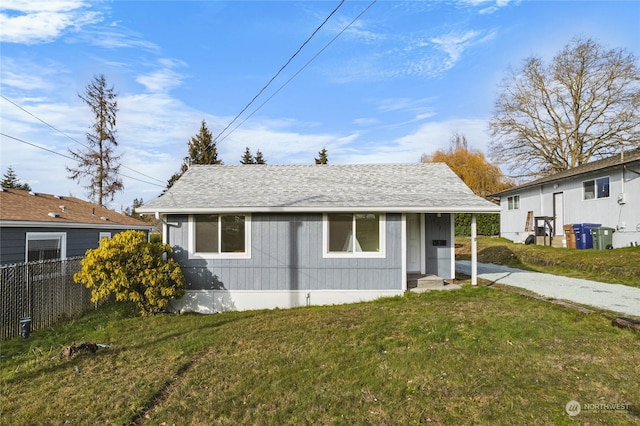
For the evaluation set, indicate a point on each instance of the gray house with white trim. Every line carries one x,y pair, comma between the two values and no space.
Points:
604,192
263,236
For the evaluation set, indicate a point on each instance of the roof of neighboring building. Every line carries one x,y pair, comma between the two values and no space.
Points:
22,208
420,187
594,166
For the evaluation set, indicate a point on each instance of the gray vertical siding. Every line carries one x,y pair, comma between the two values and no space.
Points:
438,257
286,254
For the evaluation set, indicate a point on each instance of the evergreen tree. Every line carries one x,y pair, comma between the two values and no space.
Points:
98,161
247,157
202,150
260,158
11,181
322,157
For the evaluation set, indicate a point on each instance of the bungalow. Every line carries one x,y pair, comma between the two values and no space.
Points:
604,192
36,226
262,236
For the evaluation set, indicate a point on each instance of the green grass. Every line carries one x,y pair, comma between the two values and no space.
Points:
471,356
618,266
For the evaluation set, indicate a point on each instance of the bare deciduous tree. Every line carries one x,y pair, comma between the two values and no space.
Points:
584,104
98,161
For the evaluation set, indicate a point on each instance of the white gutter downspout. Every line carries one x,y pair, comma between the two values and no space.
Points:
474,251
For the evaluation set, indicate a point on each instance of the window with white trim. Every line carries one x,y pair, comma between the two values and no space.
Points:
354,234
595,188
46,246
220,235
513,203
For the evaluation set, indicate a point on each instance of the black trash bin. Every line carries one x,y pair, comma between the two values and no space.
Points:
25,327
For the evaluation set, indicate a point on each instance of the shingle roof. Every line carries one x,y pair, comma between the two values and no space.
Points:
428,187
50,210
594,166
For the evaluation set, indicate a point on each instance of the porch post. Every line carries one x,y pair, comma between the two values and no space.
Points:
474,251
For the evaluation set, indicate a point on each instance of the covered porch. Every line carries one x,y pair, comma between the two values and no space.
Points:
429,250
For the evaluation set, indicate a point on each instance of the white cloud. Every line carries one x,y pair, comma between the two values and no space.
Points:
454,44
163,79
42,21
117,38
426,139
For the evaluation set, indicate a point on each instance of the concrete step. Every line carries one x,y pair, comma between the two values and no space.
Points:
422,283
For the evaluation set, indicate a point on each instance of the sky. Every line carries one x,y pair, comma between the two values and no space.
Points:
378,82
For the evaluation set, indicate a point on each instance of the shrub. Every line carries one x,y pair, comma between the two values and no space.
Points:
132,269
487,224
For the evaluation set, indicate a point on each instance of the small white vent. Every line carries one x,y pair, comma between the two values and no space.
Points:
53,214
104,218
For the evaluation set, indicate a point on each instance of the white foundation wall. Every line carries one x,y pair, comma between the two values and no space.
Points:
212,301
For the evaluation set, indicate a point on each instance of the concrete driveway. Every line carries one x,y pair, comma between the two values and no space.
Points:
613,297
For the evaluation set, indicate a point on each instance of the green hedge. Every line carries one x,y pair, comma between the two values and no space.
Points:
487,224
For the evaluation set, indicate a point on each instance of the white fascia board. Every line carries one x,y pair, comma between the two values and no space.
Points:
319,209
28,224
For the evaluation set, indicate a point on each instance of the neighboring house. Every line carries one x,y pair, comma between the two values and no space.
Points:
36,226
604,192
262,236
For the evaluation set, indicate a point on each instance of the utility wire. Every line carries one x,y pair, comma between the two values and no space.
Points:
301,69
69,137
279,71
70,158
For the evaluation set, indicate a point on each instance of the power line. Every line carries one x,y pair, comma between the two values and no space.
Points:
301,69
70,158
70,137
279,71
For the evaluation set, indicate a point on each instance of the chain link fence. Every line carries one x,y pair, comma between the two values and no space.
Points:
44,291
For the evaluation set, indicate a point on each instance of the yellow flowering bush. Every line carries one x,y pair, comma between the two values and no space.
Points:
132,269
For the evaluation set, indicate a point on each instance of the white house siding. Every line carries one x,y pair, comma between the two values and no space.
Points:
286,267
623,217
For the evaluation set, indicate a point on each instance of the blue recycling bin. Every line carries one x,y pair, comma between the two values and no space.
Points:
584,240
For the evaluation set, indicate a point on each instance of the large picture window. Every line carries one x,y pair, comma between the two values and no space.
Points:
224,235
597,188
46,246
358,235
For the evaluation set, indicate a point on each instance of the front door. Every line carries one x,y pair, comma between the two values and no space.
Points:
413,242
558,213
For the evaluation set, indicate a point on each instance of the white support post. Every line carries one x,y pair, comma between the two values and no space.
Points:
474,251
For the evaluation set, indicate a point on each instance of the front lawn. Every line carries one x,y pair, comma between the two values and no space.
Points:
470,356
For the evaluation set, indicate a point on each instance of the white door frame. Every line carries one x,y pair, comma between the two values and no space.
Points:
419,262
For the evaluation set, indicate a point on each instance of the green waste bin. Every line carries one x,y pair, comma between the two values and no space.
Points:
602,237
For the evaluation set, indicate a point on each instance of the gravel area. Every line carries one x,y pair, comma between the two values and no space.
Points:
613,297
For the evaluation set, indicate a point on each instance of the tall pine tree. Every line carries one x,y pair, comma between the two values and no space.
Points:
98,161
202,150
11,181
